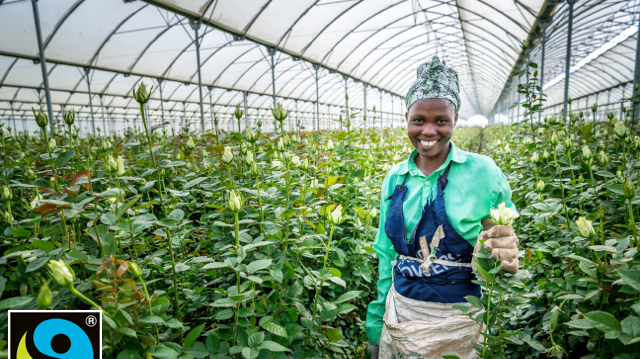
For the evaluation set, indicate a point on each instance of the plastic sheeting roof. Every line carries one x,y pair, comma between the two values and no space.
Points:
596,26
376,42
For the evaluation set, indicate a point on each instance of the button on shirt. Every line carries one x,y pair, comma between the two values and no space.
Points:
476,185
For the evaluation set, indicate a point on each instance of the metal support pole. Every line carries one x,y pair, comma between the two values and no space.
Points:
297,114
210,88
272,52
184,114
104,123
161,101
543,24
636,76
316,67
380,109
624,87
391,112
43,63
195,25
13,117
364,114
568,58
609,100
246,111
93,122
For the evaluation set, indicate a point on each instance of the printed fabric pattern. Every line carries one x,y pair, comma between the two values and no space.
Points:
435,80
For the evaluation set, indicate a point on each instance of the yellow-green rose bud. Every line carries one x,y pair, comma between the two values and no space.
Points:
6,193
61,274
44,296
227,156
604,159
336,215
141,95
540,186
135,270
69,117
628,188
238,112
235,201
586,152
585,227
41,119
190,143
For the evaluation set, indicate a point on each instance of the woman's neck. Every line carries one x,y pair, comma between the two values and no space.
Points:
428,165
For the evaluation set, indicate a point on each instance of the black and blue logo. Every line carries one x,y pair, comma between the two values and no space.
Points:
60,334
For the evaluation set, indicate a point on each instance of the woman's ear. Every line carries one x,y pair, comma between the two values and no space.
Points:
406,116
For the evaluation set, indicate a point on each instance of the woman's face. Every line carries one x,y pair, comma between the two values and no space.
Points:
430,124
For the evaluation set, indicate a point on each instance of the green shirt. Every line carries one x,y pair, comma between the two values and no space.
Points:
476,185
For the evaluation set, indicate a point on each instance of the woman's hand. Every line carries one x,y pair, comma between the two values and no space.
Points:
502,242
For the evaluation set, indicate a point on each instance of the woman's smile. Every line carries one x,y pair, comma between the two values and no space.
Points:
428,144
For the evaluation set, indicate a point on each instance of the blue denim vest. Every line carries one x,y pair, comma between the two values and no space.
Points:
443,284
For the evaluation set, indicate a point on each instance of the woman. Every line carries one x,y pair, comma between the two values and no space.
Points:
433,208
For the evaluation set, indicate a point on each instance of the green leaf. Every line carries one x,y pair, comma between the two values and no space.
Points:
473,300
224,314
44,245
14,302
129,354
163,352
631,326
333,334
36,264
604,322
348,296
151,319
20,232
128,205
215,265
450,357
193,335
177,215
630,278
553,317
273,346
275,329
255,339
259,264
194,182
63,158
127,331
335,272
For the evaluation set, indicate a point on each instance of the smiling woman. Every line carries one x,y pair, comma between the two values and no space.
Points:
434,207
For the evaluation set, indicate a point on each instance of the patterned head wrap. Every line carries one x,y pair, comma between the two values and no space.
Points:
435,81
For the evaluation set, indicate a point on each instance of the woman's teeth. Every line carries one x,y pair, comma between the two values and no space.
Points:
428,143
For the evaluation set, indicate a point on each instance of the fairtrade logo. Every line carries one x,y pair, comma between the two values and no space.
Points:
55,334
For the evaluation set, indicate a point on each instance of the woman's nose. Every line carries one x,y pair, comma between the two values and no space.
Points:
429,129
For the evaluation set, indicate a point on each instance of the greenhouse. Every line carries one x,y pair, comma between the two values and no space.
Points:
233,179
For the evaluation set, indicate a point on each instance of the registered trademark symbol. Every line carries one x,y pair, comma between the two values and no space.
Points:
91,321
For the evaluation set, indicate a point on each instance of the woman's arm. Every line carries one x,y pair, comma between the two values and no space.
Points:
386,255
503,193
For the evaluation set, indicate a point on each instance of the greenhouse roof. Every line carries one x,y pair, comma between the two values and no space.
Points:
378,43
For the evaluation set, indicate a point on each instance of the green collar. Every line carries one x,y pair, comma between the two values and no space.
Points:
409,165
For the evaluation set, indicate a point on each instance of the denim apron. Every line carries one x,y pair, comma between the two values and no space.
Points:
440,283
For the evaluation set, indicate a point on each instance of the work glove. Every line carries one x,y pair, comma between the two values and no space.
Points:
374,351
501,242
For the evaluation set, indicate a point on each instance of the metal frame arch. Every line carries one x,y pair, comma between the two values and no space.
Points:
360,24
60,22
232,63
304,49
95,56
